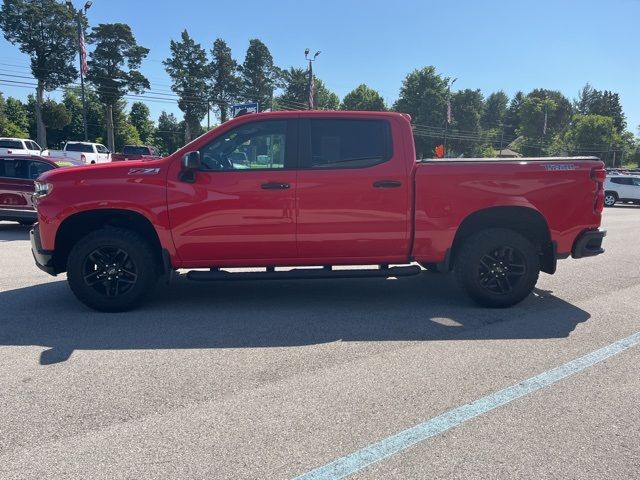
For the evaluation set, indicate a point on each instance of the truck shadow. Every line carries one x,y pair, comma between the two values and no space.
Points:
10,232
189,315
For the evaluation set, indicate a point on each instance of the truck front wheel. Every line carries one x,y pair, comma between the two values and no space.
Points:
497,267
111,269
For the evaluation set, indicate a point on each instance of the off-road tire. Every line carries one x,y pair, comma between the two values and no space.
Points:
131,287
483,278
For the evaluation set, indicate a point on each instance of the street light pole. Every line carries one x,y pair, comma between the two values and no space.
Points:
446,122
311,83
81,51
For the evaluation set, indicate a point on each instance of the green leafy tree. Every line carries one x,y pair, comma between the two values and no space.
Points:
466,109
323,98
559,118
140,118
597,102
169,134
114,68
363,98
512,116
189,72
259,75
295,96
8,127
95,114
55,117
423,95
531,114
495,110
16,113
46,31
295,86
124,132
225,84
589,135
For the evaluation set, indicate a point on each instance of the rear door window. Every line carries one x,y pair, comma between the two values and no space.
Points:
37,168
79,147
338,143
13,144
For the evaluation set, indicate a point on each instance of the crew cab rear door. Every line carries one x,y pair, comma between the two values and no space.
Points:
353,191
240,209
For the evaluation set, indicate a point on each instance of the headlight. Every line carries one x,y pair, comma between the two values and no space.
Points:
43,189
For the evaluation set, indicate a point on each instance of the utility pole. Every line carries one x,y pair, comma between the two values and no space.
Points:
82,58
448,119
311,82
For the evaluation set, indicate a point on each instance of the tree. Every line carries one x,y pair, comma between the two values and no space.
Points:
259,74
512,117
224,82
466,110
17,114
113,68
95,114
494,111
295,96
8,127
189,72
46,31
560,117
295,85
363,98
589,135
169,134
596,102
531,115
324,99
140,118
423,95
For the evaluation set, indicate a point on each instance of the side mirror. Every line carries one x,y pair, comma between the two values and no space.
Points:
190,165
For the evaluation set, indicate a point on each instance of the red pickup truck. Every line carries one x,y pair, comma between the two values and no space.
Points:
319,189
136,152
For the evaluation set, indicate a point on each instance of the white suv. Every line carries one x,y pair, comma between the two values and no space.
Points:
621,188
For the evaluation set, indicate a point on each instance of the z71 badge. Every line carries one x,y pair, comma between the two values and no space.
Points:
144,171
560,166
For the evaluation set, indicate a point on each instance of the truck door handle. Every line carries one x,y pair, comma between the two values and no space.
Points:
387,184
274,186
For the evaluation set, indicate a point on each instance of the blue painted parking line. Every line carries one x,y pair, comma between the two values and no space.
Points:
375,452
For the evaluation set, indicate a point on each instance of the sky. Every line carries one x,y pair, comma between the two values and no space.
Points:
492,45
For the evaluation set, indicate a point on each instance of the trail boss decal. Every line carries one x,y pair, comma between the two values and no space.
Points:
560,166
144,171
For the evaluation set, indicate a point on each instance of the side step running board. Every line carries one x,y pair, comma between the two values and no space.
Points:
302,274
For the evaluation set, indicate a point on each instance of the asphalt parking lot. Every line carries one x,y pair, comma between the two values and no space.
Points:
276,379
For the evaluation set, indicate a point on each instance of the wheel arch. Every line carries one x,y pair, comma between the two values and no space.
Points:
78,225
527,221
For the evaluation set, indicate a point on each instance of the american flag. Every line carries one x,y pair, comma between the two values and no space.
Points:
312,86
83,56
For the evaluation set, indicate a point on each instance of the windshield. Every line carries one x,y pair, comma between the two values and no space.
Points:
135,150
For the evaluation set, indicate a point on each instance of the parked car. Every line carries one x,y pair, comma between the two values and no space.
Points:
621,188
20,146
337,188
136,152
85,152
17,176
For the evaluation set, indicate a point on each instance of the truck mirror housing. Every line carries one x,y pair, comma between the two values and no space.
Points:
190,165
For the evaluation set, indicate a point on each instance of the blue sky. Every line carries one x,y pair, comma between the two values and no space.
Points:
510,45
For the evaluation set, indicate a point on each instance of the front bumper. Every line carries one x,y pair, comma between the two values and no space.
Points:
588,244
16,215
43,258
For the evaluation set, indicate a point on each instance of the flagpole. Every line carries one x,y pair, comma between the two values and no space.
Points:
448,119
82,59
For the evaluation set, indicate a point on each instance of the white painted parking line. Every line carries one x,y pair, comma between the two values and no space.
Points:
389,446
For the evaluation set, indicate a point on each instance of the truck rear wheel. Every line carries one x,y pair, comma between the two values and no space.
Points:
111,270
497,267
